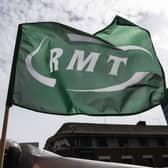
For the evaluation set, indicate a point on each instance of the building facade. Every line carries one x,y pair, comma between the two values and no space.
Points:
134,144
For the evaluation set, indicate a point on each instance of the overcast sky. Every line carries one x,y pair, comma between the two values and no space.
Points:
89,16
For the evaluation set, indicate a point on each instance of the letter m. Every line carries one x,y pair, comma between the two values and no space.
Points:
81,62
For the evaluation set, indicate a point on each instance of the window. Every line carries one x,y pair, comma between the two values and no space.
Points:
127,159
72,141
123,142
104,158
148,160
161,142
165,159
86,154
85,141
143,142
133,142
152,142
101,142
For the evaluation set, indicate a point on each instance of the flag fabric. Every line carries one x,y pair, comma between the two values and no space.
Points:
60,70
33,157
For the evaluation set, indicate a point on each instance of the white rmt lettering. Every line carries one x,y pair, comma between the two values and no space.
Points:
116,64
55,54
81,62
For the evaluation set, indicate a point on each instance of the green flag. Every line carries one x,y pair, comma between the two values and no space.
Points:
61,70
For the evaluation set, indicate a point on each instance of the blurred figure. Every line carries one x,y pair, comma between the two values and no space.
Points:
16,156
12,154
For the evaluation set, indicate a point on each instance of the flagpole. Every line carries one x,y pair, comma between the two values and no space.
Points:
8,101
3,135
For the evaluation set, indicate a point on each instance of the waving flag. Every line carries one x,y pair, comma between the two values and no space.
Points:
61,70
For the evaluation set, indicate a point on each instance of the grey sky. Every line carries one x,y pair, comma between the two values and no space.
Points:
89,16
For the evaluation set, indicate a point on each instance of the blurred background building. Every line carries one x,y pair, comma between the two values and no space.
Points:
134,144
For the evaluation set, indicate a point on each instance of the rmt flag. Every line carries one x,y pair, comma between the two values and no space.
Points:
61,70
